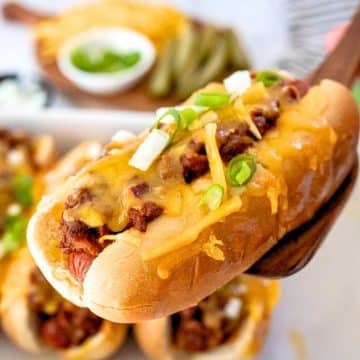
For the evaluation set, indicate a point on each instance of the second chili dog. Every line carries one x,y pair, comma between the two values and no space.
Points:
38,320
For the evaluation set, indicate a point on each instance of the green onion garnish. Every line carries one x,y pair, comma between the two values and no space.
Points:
170,112
174,125
179,120
213,196
268,78
21,187
240,169
14,233
188,116
356,92
212,100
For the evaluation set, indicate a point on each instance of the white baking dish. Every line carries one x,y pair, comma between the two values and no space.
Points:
321,305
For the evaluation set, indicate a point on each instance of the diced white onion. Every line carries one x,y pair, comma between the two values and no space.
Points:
15,157
150,149
123,136
168,119
232,308
238,82
13,209
94,151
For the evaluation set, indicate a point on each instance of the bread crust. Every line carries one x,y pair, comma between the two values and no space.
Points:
154,336
17,319
303,162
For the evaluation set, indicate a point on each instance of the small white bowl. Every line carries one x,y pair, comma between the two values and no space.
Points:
115,39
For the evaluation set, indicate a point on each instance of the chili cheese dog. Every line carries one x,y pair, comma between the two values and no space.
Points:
231,323
165,218
37,319
23,161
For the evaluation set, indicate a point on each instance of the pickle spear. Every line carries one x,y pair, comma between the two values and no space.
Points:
206,41
160,81
210,70
187,45
236,53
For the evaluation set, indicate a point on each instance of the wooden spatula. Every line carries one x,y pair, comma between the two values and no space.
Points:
297,248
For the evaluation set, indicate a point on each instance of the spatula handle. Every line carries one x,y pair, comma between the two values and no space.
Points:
343,62
22,14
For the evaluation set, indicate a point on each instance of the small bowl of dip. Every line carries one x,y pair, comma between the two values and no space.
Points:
106,60
24,91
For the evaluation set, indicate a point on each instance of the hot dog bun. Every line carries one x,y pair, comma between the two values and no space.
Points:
300,165
71,163
155,336
18,320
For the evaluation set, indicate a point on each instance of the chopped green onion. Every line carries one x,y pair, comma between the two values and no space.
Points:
172,118
212,100
268,78
170,113
21,187
356,92
240,169
14,233
177,120
97,60
213,196
188,116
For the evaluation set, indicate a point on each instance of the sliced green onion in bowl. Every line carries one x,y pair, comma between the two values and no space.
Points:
268,78
213,196
21,187
212,100
241,169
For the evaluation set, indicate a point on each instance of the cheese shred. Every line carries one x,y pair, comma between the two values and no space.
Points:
215,162
190,234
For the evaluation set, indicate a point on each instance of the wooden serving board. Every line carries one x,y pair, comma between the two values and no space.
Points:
135,98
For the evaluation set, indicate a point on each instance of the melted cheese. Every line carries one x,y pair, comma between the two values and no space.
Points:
211,248
189,235
131,237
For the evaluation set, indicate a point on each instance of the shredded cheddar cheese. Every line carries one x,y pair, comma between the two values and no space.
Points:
215,161
189,235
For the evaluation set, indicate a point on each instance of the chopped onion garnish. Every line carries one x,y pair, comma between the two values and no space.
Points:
268,78
123,136
212,100
150,149
232,308
13,209
240,170
161,111
238,82
213,196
